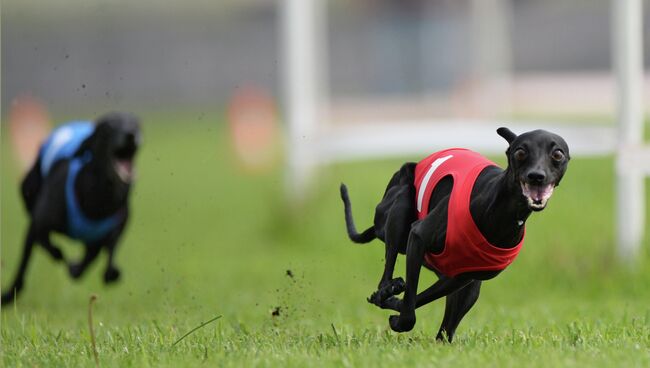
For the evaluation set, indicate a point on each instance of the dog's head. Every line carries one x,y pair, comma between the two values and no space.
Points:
537,161
115,142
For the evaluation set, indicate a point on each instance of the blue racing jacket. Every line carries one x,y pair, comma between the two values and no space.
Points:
63,144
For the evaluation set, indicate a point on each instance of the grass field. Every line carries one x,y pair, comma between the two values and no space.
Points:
207,239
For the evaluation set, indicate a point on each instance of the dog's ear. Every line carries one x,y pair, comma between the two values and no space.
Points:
507,134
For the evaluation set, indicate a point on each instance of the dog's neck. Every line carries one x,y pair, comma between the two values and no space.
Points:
99,192
498,208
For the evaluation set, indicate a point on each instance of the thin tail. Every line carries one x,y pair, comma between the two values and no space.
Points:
365,237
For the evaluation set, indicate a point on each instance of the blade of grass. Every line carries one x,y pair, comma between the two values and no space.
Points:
196,328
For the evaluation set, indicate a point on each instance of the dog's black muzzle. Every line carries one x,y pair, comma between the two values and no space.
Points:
127,148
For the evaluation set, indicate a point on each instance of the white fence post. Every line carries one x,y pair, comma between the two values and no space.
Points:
492,57
302,25
628,60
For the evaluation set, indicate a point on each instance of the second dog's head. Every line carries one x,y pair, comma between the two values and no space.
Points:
114,144
538,161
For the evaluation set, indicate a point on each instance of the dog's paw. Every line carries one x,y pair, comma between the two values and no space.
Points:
401,324
111,275
75,270
392,303
374,299
6,297
393,321
10,295
397,286
386,292
378,297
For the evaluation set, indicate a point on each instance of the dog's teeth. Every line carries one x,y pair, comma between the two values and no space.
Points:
537,196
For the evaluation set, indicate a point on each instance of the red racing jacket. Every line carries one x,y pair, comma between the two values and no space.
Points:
466,249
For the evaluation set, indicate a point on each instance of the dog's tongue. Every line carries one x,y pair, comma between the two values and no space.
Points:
124,170
538,193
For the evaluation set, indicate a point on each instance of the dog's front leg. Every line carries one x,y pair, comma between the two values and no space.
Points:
112,273
458,304
414,256
442,287
77,269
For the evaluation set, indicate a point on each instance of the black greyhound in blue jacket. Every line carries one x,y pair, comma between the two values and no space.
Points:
79,186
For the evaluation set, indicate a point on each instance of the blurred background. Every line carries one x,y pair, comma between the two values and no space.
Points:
426,57
213,226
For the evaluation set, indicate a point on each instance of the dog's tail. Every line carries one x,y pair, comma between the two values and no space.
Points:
365,237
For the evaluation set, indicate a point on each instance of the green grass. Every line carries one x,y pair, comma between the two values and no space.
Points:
208,239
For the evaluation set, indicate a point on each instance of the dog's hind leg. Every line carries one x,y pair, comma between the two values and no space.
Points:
398,225
414,256
399,218
31,186
397,212
18,283
457,305
52,249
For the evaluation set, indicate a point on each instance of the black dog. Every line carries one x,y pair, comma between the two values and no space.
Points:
485,206
79,186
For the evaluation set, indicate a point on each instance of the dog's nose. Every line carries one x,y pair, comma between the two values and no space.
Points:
131,139
536,176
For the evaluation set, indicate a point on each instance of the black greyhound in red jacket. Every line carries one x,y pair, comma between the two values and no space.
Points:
461,216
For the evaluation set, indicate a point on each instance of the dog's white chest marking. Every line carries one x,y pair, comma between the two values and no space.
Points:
60,139
434,166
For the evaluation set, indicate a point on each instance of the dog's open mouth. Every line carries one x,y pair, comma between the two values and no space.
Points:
537,195
124,169
123,164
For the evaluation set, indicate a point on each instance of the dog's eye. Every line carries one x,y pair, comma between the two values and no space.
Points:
520,154
557,155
